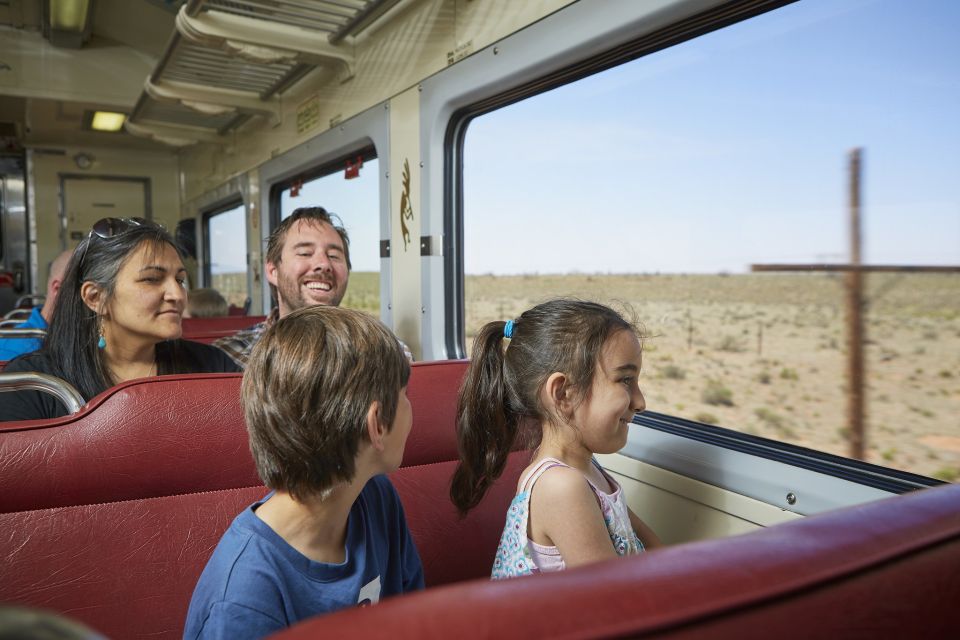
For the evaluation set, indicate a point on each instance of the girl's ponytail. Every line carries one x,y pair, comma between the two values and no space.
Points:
500,396
486,425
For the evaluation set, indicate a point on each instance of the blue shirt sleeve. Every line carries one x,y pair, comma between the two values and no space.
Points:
231,621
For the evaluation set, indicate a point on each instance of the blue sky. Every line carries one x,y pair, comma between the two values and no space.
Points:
723,151
731,149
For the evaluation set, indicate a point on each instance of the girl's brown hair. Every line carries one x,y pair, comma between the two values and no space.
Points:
501,392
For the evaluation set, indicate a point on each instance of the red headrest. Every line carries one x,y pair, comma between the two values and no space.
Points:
141,439
883,569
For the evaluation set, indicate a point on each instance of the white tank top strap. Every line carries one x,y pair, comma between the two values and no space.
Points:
613,484
534,474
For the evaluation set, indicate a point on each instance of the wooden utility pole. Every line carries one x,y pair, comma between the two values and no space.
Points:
855,335
855,305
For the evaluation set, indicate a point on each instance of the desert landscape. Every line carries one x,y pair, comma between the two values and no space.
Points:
766,353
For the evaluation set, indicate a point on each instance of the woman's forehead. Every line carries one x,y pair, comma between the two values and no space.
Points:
150,253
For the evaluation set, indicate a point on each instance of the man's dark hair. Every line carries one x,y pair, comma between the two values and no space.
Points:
314,215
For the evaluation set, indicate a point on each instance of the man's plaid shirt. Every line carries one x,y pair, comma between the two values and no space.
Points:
239,345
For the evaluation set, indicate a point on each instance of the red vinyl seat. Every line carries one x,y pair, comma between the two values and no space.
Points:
110,515
886,569
207,330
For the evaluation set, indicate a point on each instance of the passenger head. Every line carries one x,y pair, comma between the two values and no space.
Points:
21,623
54,279
313,382
125,281
536,378
206,303
308,260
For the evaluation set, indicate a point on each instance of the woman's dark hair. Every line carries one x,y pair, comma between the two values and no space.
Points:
501,393
71,342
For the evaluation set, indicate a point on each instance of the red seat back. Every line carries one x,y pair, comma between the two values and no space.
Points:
207,330
885,569
110,515
451,548
142,439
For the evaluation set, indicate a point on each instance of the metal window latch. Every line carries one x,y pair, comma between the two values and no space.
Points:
431,245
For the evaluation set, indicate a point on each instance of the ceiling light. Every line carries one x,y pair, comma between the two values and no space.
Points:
107,121
69,15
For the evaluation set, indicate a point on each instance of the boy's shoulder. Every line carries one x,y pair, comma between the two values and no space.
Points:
379,494
237,585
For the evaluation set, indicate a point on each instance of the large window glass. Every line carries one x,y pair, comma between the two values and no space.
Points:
659,183
356,199
226,255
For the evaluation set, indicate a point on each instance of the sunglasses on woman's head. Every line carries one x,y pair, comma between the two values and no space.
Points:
110,227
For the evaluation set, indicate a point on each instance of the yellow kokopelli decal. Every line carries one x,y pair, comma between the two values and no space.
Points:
406,210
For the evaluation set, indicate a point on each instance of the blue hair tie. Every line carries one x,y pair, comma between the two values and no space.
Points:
508,329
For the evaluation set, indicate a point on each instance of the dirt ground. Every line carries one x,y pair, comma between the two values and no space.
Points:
766,354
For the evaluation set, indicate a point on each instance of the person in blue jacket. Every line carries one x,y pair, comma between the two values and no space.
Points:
40,317
325,401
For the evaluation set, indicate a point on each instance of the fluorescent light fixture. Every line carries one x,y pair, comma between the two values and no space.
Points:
107,121
69,15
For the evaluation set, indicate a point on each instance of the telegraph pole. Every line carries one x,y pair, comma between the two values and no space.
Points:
855,303
855,334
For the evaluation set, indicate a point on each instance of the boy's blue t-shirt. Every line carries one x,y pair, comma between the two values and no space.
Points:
255,583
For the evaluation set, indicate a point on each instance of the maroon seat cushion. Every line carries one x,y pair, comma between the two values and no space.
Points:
884,569
110,515
142,439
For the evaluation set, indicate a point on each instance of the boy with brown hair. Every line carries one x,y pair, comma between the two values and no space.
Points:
324,396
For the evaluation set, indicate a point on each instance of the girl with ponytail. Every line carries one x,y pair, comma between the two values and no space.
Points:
562,376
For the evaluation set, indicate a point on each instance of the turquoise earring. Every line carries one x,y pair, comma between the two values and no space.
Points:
102,342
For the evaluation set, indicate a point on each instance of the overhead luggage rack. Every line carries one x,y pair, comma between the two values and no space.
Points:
230,61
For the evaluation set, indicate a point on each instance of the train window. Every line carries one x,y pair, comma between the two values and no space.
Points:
690,184
350,189
225,257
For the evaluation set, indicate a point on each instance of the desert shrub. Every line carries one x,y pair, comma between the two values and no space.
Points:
673,372
926,413
888,454
947,474
763,377
789,374
945,373
774,421
732,344
705,417
716,394
770,417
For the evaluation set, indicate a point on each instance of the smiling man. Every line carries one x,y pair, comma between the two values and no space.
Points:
307,263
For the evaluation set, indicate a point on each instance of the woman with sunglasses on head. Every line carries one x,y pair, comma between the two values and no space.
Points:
117,318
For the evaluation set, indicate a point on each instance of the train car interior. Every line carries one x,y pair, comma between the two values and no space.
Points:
705,165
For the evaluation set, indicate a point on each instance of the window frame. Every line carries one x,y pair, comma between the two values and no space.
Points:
206,214
369,130
532,62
